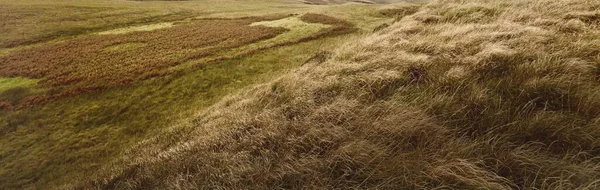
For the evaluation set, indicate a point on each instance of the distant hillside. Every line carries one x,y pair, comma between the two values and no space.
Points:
463,94
324,2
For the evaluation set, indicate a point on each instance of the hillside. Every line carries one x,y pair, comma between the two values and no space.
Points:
81,82
291,94
326,2
463,94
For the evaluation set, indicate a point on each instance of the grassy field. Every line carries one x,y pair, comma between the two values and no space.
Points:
459,95
282,94
83,81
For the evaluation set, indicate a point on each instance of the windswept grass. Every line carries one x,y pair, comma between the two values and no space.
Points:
460,95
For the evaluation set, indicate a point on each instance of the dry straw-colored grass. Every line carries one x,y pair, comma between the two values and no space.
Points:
463,94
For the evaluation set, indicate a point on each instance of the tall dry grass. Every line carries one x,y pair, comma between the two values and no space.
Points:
463,94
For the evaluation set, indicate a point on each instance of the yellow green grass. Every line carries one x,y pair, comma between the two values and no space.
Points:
89,130
9,83
149,27
297,29
13,90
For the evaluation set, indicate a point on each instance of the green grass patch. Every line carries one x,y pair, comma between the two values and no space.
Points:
83,132
297,29
9,83
13,90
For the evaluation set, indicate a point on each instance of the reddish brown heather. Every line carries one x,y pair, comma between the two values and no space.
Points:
97,62
338,27
5,105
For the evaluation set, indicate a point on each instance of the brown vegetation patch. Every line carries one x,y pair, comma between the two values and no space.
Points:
96,62
28,24
339,27
399,12
5,105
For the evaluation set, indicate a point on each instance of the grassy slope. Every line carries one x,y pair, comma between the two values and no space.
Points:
462,94
77,134
63,140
